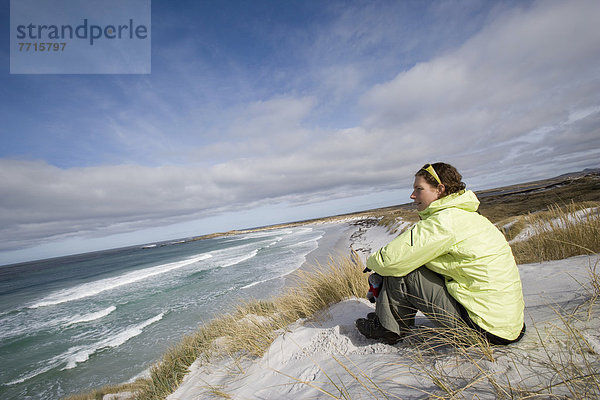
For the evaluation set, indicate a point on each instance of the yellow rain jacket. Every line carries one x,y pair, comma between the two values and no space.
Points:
453,240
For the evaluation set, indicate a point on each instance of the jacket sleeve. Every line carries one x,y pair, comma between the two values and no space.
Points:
425,241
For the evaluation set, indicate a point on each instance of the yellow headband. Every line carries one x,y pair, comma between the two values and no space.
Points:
433,173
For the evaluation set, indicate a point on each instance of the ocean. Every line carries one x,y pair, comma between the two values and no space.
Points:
76,323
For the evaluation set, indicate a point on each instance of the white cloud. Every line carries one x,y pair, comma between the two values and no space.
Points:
41,202
518,80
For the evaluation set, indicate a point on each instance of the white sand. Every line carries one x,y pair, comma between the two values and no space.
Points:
327,357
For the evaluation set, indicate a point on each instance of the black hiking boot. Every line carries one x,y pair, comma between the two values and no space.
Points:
372,329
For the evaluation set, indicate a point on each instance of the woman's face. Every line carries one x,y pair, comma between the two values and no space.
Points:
424,193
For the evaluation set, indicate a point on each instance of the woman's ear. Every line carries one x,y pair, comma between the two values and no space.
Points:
441,189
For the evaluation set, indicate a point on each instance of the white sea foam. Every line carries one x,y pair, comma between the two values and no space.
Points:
290,264
91,316
237,254
312,241
32,374
268,233
302,230
13,327
259,282
237,260
96,287
79,354
145,374
277,240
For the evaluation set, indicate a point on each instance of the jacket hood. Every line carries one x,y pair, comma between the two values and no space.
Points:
464,200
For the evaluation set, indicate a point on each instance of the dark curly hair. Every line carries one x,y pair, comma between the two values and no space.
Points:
449,176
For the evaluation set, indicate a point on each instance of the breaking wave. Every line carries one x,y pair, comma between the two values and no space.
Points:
91,316
96,287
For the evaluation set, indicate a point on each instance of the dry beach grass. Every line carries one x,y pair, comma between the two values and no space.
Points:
562,358
558,233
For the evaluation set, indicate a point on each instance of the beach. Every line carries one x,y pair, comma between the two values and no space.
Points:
361,234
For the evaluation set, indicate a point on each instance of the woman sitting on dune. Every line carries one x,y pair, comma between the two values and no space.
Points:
453,265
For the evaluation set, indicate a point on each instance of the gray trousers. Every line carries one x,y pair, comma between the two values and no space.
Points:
422,290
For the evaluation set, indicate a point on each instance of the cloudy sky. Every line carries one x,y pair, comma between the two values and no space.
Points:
257,112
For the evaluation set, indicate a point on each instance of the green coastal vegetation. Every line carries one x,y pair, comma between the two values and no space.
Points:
545,220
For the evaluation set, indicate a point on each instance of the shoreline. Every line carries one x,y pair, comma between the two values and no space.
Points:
362,234
334,242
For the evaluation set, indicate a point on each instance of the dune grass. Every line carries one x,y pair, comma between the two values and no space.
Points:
560,232
249,330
